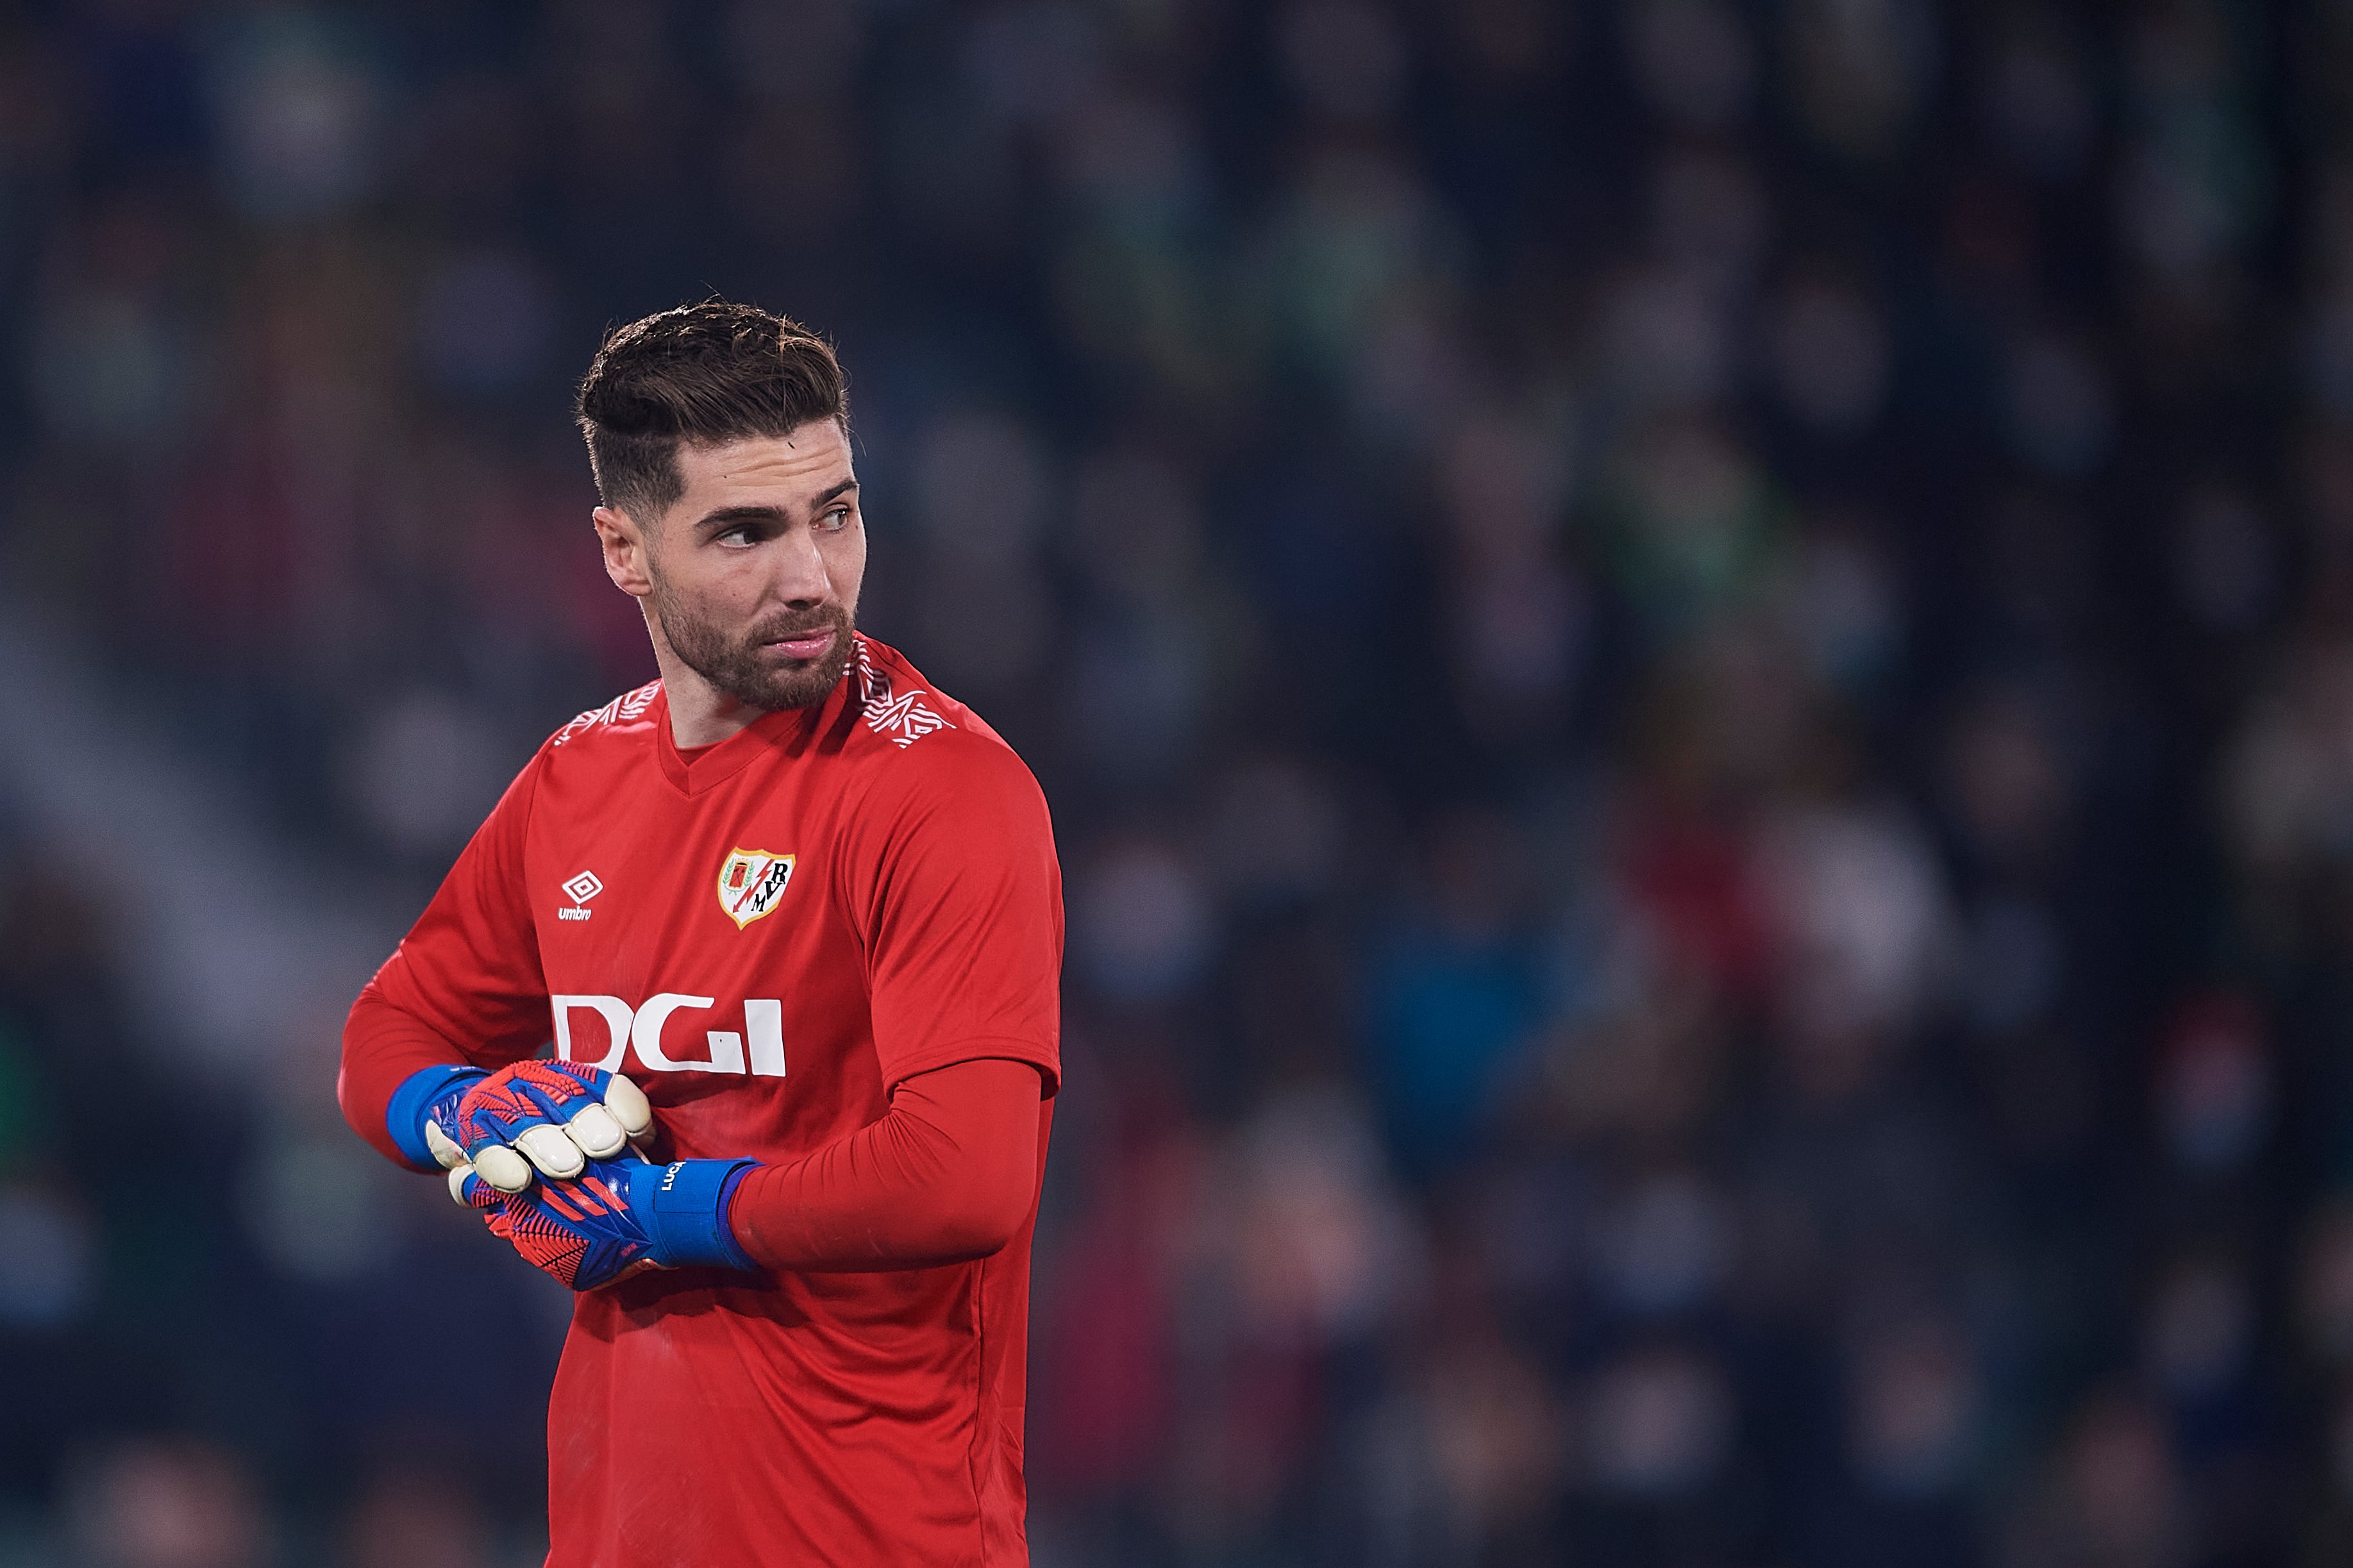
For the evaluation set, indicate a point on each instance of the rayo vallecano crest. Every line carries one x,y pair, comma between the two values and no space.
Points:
750,883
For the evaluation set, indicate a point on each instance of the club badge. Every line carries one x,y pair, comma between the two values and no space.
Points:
751,881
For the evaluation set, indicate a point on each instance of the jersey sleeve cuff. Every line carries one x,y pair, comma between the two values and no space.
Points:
404,1119
683,1206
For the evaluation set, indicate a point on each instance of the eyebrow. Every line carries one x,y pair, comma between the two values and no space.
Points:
735,514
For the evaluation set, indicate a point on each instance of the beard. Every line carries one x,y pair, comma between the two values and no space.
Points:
742,667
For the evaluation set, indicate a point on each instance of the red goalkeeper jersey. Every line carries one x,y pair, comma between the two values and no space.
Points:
767,934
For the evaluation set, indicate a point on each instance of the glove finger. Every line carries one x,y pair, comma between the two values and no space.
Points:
467,1190
629,1107
549,1149
546,1231
558,1097
559,1088
598,1134
539,1111
445,1148
503,1168
567,1080
497,1113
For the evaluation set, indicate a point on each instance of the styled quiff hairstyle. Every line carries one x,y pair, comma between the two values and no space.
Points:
707,374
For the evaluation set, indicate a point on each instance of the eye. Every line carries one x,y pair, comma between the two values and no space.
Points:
834,521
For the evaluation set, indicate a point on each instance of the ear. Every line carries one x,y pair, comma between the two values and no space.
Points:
624,544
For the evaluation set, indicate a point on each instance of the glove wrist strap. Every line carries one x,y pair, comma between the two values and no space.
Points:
404,1119
683,1206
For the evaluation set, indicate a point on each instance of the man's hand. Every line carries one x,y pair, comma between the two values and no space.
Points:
554,1116
616,1217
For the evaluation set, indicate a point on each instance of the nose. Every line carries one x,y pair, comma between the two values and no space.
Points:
800,577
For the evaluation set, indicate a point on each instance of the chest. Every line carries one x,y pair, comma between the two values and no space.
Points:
701,943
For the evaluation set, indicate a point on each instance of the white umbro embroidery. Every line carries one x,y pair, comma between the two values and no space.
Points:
580,889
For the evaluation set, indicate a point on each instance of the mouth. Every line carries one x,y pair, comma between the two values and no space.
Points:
807,645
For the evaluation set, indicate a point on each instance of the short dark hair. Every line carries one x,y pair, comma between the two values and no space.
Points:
708,374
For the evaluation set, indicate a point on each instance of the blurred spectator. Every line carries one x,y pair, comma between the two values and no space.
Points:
2114,1497
415,1520
168,1503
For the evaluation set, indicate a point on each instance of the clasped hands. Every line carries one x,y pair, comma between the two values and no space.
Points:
552,1154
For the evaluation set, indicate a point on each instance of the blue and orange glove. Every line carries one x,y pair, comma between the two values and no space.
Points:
552,1117
617,1217
425,1107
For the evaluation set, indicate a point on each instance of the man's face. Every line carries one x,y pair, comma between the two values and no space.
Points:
753,574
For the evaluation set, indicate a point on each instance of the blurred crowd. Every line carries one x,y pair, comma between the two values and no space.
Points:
1694,662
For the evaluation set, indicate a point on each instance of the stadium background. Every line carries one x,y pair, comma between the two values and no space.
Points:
1696,664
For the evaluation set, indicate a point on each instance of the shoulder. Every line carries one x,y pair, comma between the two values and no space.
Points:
627,721
917,745
908,728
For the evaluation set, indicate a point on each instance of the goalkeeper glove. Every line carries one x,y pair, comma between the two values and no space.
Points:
616,1219
425,1109
554,1116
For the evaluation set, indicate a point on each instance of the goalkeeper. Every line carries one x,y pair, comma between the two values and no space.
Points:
739,1016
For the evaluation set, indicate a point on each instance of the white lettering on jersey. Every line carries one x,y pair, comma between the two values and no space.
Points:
640,1028
726,1050
616,1023
764,1020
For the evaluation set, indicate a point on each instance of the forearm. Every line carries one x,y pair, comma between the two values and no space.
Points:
949,1174
383,1047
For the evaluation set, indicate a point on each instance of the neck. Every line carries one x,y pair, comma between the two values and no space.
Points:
700,713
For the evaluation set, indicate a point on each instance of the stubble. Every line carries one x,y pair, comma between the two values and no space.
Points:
740,666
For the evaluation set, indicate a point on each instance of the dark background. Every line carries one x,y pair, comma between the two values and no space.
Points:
1694,663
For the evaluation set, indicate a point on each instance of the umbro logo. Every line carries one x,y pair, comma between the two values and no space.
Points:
580,889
